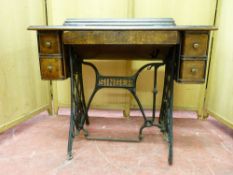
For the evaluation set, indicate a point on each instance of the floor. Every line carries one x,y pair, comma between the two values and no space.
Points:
39,146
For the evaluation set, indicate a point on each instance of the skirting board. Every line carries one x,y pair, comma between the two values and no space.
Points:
118,107
23,118
220,119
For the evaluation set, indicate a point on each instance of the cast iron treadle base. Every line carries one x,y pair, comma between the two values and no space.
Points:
79,108
129,83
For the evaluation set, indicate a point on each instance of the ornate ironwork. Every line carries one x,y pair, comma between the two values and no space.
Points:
79,108
166,116
115,82
78,105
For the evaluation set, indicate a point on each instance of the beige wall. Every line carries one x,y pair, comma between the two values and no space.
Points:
220,86
183,11
58,11
22,93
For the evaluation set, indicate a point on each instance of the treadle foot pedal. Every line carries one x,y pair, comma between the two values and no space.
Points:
113,139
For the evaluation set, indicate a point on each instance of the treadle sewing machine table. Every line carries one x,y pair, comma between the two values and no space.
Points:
182,49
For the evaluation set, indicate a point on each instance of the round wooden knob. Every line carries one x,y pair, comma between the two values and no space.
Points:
50,67
48,44
196,45
193,70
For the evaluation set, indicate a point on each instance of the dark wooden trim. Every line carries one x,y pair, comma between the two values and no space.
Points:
112,28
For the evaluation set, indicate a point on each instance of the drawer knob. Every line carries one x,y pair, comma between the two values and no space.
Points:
50,68
196,45
48,44
193,70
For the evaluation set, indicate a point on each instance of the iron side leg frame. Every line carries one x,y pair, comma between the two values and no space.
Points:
72,125
78,106
166,111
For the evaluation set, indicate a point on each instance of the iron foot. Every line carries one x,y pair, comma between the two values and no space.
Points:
69,156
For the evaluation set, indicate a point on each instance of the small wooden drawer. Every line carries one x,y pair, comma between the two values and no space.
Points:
49,42
51,68
192,71
195,44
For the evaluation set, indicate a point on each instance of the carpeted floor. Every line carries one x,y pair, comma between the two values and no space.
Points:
39,146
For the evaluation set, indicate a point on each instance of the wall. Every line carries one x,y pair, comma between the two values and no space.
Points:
22,93
58,11
185,12
220,85
191,12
